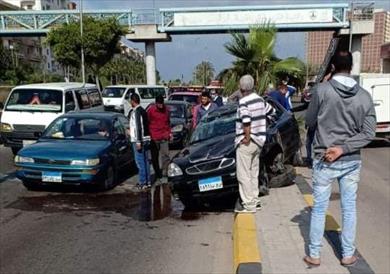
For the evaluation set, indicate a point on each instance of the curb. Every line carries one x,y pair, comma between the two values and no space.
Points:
246,253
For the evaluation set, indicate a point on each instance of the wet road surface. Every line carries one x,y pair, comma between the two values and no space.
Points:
119,231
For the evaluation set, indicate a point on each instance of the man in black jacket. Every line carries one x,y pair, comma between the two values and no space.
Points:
140,139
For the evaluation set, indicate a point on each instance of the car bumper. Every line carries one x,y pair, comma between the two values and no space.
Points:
16,138
69,175
189,186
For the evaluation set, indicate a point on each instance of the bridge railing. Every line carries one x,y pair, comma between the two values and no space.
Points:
39,22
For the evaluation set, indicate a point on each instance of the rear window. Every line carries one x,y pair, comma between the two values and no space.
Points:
186,98
151,93
94,98
113,92
37,100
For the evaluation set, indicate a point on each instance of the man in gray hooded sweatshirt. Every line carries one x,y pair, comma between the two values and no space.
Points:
343,116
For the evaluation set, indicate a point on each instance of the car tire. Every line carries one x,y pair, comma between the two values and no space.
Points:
189,203
109,180
284,179
30,186
15,150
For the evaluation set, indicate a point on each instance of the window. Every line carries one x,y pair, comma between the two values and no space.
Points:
151,93
39,100
94,97
118,128
69,101
128,94
82,99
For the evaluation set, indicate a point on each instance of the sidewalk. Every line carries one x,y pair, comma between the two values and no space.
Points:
283,231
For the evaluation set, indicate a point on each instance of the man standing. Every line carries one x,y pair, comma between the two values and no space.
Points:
250,138
205,106
140,139
216,98
160,131
343,115
279,95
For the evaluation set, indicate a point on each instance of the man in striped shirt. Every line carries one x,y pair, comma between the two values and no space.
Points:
250,137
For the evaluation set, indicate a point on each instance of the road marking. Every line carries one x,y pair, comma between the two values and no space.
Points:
246,252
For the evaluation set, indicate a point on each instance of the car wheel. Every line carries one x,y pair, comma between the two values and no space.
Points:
285,179
30,186
109,180
15,150
189,203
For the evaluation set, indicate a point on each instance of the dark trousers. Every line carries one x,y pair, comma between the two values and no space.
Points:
160,157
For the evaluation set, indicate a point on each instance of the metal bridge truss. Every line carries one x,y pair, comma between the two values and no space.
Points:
38,23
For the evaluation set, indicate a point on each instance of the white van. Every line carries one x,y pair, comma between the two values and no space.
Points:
29,109
117,98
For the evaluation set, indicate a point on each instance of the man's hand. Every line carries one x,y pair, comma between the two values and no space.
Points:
333,153
139,146
245,141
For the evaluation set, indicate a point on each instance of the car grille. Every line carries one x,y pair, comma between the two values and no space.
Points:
210,166
51,161
29,128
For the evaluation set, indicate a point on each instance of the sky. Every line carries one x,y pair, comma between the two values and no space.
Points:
178,58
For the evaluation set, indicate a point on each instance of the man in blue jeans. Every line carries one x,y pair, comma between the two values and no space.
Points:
343,116
140,139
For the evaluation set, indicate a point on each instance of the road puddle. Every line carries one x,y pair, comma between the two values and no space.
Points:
154,204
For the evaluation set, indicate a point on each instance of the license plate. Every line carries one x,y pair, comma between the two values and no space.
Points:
210,184
53,177
28,142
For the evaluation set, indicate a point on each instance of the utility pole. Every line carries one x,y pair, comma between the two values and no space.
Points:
82,46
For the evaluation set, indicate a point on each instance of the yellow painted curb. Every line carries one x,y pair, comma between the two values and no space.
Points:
330,223
245,247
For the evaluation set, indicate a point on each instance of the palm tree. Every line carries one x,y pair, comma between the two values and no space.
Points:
203,73
255,56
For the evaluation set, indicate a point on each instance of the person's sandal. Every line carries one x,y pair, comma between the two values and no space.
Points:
349,261
312,262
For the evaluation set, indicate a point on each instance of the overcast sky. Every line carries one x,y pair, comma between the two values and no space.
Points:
180,56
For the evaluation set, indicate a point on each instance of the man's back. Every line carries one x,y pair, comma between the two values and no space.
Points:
344,115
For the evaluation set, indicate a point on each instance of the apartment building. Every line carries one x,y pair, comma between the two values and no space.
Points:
318,42
50,65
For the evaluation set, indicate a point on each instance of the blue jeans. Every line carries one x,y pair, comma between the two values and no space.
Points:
142,161
348,174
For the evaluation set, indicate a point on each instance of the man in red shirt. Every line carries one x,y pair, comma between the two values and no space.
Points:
160,131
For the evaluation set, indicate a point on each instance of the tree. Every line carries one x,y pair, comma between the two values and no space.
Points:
203,73
255,56
99,41
123,70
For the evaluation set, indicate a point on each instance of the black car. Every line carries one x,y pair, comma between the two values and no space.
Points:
207,167
181,122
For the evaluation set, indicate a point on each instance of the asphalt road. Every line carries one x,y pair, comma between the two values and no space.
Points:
120,231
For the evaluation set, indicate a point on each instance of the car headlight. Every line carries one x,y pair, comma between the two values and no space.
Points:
174,170
4,127
21,159
86,162
177,128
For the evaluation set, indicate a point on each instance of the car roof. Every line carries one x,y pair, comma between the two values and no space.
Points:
100,115
190,93
59,85
135,86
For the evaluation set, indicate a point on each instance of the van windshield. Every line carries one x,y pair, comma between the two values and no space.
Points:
39,100
113,92
151,93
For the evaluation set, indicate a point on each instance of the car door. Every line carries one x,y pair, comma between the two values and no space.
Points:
286,126
122,142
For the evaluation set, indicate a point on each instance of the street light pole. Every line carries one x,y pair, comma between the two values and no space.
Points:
82,46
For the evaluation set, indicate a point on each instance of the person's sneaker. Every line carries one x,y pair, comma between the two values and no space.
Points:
312,262
241,209
348,261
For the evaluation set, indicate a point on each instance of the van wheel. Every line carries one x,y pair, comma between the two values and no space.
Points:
15,150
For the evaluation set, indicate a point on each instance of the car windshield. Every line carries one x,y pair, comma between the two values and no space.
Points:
176,111
211,128
78,128
113,92
151,93
192,99
37,100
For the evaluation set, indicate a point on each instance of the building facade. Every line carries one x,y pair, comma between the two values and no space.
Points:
50,65
318,42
